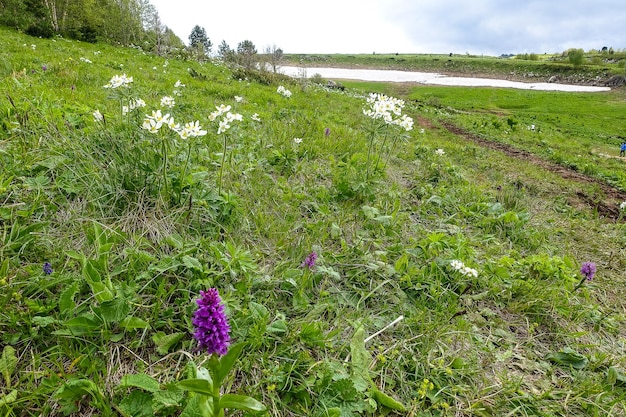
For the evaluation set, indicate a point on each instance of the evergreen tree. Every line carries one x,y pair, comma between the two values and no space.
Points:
246,52
199,42
225,53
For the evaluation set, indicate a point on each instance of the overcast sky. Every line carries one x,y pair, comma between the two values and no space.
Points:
482,27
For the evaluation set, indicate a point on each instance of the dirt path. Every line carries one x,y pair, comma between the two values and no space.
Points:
607,207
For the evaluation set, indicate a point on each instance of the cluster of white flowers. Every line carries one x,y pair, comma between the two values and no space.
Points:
152,123
465,270
622,205
86,60
238,99
132,105
119,81
178,85
297,140
282,90
440,152
255,117
388,109
167,101
229,117
97,116
190,129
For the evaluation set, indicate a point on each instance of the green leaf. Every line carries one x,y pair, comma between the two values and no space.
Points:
4,268
616,377
197,385
568,357
8,363
137,404
241,402
278,326
130,323
71,393
43,321
259,311
198,406
9,398
66,299
360,359
92,276
114,310
143,381
227,362
167,398
165,342
387,401
82,325
192,263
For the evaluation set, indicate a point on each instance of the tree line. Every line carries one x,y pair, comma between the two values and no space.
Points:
124,22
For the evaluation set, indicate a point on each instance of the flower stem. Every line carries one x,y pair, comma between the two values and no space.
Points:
219,188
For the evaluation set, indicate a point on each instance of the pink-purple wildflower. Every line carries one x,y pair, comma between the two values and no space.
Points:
211,324
588,269
309,261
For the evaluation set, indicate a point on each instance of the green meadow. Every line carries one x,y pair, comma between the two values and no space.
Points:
469,264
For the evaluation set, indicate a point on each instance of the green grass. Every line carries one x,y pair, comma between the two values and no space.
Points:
135,224
595,65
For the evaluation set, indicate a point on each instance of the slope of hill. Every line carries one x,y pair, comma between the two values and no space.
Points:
369,268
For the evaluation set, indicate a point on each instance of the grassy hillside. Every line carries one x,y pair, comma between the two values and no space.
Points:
596,68
367,269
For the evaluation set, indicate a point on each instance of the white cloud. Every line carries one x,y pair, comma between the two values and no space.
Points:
439,26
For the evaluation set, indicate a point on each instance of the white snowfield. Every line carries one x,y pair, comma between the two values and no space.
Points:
430,78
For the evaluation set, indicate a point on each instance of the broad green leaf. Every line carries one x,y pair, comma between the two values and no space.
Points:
258,310
198,406
278,326
192,263
241,402
137,404
167,398
114,310
227,362
130,323
4,268
75,255
43,321
333,412
66,299
92,276
165,342
143,381
9,398
384,399
8,363
616,377
200,386
83,324
360,359
568,357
